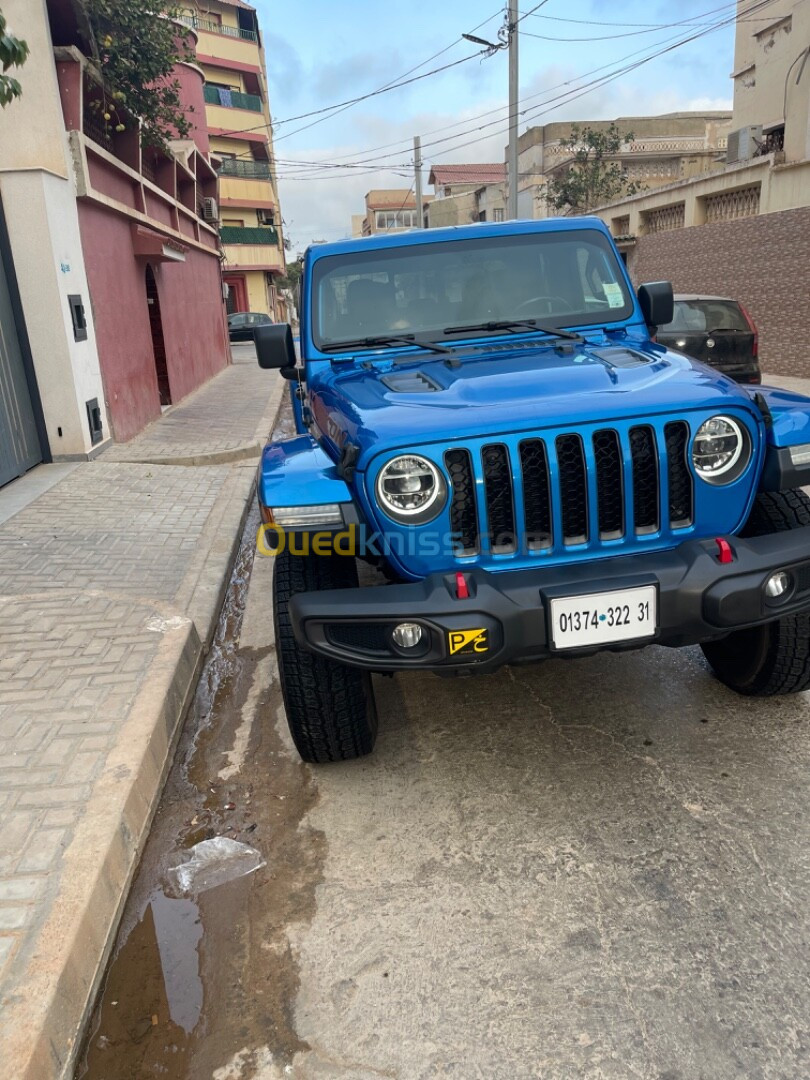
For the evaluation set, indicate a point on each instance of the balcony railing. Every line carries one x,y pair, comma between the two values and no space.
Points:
259,234
218,28
232,99
247,170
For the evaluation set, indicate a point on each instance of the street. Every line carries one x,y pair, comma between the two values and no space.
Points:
594,869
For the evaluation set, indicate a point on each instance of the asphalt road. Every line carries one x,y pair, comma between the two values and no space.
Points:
583,869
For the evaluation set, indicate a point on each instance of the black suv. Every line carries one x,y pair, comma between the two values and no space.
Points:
716,331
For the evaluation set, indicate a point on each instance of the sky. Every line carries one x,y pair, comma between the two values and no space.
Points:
322,53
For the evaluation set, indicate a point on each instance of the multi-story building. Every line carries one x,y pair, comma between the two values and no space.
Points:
664,149
110,289
743,231
237,109
388,210
466,193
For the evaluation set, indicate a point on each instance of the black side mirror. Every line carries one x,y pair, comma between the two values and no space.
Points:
657,303
274,346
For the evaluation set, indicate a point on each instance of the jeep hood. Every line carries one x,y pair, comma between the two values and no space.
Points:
401,405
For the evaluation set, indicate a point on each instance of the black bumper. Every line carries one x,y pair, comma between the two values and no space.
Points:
699,599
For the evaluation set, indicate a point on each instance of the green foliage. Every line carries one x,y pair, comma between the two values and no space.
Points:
591,179
136,48
292,281
12,54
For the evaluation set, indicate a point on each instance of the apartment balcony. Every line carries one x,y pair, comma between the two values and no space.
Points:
232,99
246,170
258,234
209,27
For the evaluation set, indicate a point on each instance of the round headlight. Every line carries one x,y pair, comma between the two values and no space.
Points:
411,489
721,450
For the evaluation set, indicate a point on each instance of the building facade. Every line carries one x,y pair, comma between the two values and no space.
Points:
116,269
465,193
230,53
664,149
388,210
743,231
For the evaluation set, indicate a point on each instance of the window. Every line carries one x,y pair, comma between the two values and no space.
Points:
234,222
497,213
566,278
395,219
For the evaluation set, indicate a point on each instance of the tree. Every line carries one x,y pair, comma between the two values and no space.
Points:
291,280
591,179
12,54
136,48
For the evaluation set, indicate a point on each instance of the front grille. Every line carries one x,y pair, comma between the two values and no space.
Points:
463,512
498,492
591,488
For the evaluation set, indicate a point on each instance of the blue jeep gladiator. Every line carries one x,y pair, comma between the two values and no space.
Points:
489,432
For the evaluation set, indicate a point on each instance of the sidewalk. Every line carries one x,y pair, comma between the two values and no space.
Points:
110,587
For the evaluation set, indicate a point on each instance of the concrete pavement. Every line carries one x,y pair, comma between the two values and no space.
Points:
111,581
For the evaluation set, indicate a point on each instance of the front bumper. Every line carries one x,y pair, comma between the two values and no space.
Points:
699,599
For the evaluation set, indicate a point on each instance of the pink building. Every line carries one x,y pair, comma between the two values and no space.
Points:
131,246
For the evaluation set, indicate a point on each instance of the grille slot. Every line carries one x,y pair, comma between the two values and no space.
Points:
803,578
681,492
609,484
573,489
536,494
645,479
463,515
498,494
364,637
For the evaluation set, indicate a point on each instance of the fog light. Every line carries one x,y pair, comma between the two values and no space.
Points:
777,584
407,634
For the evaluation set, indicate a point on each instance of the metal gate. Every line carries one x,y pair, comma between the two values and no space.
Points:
20,447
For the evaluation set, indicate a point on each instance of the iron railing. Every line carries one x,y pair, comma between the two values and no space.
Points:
259,234
217,28
232,99
247,170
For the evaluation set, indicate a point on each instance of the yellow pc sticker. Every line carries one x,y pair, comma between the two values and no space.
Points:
468,641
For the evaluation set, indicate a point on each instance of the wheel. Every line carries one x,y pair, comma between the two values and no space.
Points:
330,707
775,658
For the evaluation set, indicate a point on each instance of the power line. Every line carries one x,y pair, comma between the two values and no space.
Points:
586,88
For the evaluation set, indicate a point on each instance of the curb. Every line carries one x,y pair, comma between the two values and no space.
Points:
77,938
78,934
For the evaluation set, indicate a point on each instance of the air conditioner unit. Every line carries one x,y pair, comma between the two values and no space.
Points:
744,143
210,210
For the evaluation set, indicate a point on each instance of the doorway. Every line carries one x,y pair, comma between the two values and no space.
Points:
158,344
237,294
20,443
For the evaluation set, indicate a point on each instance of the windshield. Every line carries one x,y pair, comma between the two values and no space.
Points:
700,316
561,279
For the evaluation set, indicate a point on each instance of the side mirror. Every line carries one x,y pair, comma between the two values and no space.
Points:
274,346
657,303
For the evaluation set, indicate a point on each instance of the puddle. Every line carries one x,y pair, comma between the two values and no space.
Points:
194,979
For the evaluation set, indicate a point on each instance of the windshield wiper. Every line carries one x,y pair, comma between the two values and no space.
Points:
385,339
510,324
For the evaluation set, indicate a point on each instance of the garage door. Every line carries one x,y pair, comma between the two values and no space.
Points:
19,442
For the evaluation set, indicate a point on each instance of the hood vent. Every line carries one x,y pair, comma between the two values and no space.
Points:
619,357
410,382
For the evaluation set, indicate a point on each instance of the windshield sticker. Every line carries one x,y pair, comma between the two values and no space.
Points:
614,294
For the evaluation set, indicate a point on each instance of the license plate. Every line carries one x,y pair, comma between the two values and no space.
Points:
603,618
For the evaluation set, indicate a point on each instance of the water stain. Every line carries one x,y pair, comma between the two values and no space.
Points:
191,983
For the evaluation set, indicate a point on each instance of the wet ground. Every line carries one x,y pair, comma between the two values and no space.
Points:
591,869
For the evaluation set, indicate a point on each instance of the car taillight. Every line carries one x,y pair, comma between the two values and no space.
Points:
752,327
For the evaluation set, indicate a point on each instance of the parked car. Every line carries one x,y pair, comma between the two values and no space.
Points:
483,418
716,330
242,324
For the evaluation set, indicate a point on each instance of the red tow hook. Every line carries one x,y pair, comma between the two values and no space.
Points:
462,590
725,553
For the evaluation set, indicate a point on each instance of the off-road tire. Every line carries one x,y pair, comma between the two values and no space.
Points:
775,658
330,707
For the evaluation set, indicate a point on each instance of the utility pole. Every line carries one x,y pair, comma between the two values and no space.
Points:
512,201
417,169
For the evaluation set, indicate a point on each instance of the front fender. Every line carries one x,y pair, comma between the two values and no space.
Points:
298,472
789,427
